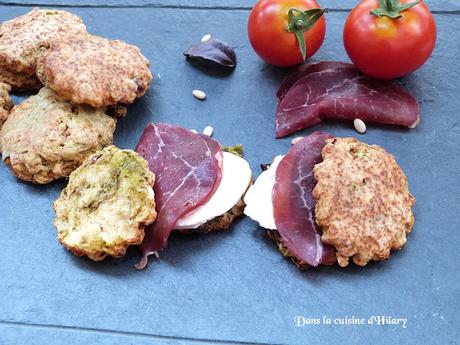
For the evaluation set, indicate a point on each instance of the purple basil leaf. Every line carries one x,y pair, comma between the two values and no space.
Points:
213,50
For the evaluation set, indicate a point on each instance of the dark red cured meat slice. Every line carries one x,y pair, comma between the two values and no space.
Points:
325,90
188,170
291,77
294,205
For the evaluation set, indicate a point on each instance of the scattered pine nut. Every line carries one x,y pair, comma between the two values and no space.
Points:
296,140
208,130
198,94
360,126
206,37
194,131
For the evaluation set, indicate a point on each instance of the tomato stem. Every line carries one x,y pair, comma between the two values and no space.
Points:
300,21
392,8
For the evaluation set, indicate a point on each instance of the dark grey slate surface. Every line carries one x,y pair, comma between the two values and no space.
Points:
446,5
18,334
235,286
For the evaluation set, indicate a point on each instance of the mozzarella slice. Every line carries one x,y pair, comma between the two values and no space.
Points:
236,176
258,198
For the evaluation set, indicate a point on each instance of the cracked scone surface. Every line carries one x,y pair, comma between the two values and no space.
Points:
106,205
6,104
24,39
46,138
96,71
363,201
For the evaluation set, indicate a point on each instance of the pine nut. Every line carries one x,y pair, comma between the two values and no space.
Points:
208,130
198,94
206,37
360,126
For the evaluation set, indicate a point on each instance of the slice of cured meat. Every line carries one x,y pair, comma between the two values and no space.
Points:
187,168
294,205
340,91
291,77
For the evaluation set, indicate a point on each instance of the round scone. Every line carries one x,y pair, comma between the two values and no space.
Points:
363,203
96,71
106,205
46,138
5,102
24,39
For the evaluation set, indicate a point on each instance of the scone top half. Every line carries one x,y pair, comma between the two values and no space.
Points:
363,203
106,205
96,71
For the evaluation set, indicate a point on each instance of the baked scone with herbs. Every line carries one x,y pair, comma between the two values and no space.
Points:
46,138
106,205
26,38
363,203
96,71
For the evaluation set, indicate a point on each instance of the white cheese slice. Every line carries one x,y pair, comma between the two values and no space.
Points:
258,198
236,176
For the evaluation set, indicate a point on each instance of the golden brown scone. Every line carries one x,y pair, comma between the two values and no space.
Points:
5,102
96,71
106,205
363,201
24,39
46,138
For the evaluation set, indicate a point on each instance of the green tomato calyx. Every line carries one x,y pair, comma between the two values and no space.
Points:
300,21
392,8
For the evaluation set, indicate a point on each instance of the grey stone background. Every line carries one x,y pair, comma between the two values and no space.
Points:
234,287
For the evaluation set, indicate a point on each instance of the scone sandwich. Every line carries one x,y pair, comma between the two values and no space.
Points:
199,185
333,199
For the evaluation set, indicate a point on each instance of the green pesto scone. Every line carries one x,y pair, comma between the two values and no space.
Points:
106,205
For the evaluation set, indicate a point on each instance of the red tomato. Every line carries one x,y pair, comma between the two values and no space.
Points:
388,48
267,28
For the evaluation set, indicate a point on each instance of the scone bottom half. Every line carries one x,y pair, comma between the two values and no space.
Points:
106,205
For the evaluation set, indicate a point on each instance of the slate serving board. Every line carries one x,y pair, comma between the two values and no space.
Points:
235,287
